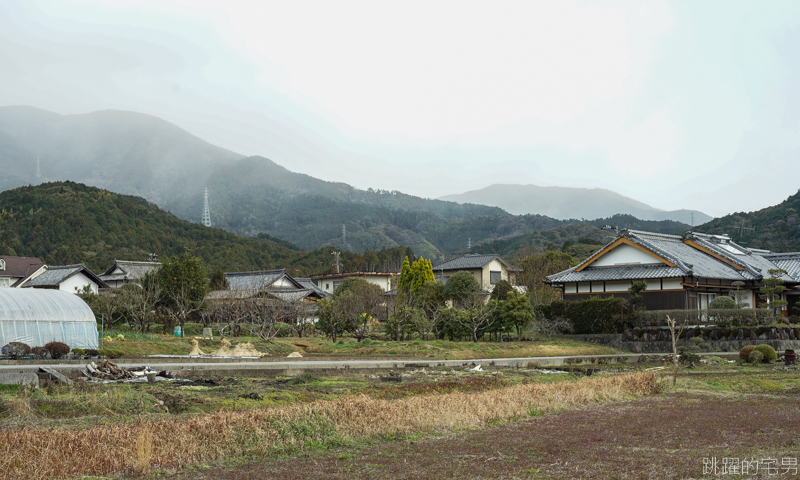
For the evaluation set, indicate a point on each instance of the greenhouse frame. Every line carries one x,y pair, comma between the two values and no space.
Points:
39,316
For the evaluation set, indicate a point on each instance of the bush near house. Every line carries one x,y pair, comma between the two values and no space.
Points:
744,353
768,352
592,316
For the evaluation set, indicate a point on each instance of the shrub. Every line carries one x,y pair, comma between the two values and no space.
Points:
596,315
755,357
39,352
744,353
91,352
689,357
554,326
726,303
16,350
768,352
78,352
57,349
697,340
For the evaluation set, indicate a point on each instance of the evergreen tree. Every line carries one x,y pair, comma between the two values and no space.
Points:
218,281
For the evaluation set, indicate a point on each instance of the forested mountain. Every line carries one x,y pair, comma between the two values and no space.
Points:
66,222
566,202
141,155
774,228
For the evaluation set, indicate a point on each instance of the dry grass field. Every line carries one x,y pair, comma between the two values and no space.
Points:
144,445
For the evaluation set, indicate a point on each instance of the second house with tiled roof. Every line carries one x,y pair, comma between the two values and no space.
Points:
487,269
682,272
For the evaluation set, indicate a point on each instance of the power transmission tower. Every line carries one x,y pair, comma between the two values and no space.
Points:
337,260
206,212
469,244
344,237
38,168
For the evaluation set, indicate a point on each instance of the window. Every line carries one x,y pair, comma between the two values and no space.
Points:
495,277
327,286
2,264
5,282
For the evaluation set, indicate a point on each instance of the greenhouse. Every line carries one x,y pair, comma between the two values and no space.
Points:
39,316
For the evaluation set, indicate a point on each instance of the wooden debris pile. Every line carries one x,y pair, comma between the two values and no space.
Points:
108,370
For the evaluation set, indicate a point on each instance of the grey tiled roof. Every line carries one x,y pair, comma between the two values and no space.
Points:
596,274
308,283
786,261
290,295
471,261
689,260
256,280
53,276
131,270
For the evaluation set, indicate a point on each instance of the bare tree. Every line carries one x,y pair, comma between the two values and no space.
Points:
140,301
474,315
230,309
675,336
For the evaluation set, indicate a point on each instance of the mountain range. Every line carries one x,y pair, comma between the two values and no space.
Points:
141,155
566,203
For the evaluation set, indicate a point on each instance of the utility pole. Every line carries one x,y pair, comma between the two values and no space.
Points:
337,260
344,237
469,244
206,212
742,228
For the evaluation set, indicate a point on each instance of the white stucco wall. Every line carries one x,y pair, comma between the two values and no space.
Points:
625,255
383,281
75,284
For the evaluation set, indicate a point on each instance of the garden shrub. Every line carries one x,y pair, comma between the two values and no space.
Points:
57,349
689,357
16,350
756,357
768,352
697,340
744,353
592,316
92,352
78,352
39,352
723,303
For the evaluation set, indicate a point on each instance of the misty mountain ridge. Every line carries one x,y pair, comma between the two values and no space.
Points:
137,154
565,203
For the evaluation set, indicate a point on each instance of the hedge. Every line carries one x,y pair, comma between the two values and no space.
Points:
719,316
611,315
595,315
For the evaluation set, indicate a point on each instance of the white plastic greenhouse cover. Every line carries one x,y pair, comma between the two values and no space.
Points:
36,317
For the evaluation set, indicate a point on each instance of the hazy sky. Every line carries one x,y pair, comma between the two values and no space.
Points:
692,104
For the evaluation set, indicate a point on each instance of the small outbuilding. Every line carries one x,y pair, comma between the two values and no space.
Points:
39,316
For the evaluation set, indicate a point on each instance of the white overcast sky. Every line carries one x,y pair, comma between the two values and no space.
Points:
692,104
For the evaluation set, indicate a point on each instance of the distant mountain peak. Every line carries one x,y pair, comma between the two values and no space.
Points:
570,202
